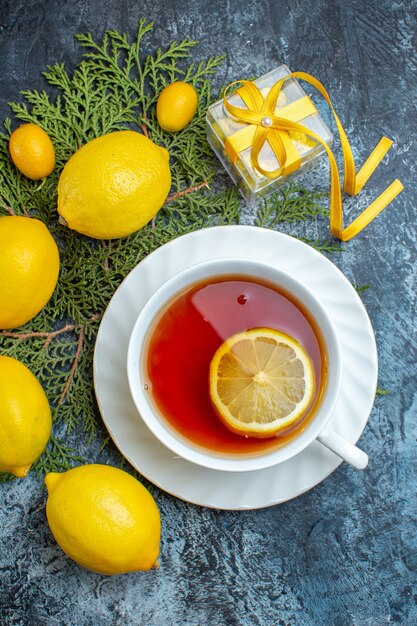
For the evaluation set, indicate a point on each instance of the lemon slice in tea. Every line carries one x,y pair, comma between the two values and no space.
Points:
261,381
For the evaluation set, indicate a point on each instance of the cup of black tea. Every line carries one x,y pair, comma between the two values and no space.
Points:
235,365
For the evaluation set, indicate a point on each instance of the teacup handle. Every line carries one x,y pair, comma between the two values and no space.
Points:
346,450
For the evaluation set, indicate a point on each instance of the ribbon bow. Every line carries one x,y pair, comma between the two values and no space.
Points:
269,127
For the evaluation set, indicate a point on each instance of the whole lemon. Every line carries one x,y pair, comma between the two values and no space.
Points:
176,106
103,519
113,185
32,151
29,268
25,417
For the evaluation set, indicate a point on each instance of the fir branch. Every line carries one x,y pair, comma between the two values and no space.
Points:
73,367
179,194
56,458
204,68
328,246
114,86
5,477
361,288
47,335
291,204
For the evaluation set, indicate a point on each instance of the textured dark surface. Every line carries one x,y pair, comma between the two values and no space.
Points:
344,553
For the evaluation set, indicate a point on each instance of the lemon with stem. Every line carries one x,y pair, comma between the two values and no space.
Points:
113,185
104,519
25,417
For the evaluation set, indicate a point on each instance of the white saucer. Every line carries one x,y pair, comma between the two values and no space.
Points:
233,490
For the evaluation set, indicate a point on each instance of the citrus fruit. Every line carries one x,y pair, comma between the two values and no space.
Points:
261,381
25,417
113,185
176,106
32,151
103,519
29,268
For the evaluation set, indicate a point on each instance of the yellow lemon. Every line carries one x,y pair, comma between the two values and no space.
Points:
32,151
261,381
113,185
103,519
25,417
176,106
29,268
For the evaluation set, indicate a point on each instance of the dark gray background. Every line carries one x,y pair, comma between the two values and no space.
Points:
346,552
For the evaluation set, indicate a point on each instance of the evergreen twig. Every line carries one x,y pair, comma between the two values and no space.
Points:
291,204
361,288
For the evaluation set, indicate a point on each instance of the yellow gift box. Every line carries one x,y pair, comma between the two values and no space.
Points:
269,128
232,138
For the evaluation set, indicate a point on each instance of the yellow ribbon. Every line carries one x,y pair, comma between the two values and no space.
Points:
243,138
269,127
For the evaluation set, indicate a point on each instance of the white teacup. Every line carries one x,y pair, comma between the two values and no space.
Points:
316,428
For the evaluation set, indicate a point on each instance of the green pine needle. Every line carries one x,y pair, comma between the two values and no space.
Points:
5,477
291,204
328,246
56,458
361,288
114,87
